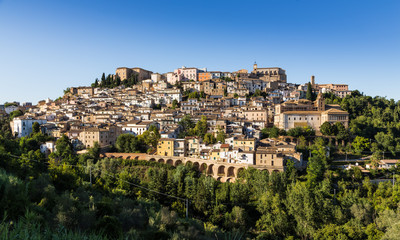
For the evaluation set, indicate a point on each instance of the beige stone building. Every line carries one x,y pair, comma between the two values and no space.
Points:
104,136
303,113
193,146
124,73
270,159
82,90
273,74
256,115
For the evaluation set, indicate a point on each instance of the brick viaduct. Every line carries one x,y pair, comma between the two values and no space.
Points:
221,171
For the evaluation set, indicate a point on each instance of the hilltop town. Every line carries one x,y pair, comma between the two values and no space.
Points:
214,119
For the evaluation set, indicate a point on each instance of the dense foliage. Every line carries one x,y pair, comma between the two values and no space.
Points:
189,128
70,196
112,81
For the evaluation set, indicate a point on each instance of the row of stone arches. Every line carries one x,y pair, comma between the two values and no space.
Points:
214,170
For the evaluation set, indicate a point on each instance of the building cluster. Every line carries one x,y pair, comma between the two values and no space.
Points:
239,103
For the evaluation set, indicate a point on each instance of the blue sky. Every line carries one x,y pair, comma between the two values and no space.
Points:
47,46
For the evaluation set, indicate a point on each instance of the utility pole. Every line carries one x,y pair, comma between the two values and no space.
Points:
334,196
90,170
393,181
187,208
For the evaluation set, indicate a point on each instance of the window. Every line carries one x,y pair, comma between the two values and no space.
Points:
272,163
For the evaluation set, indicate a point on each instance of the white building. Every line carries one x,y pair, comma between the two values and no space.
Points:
48,147
137,127
10,109
23,125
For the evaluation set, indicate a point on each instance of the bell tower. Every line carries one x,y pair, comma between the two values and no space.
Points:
255,66
319,103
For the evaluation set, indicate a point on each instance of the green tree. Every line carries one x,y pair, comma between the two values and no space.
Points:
209,138
201,127
94,151
15,114
272,132
221,136
193,95
327,129
317,163
35,127
175,104
151,136
309,94
360,144
64,148
130,144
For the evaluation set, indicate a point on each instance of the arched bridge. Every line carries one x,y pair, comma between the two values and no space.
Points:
222,171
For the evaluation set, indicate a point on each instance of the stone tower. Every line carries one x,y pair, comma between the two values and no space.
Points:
319,103
255,66
313,80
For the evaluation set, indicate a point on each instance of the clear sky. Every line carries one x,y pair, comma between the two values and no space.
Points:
47,46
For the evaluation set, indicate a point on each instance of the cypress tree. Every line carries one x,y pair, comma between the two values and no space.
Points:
309,94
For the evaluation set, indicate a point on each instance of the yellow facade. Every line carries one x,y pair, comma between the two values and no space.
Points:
215,155
248,144
165,147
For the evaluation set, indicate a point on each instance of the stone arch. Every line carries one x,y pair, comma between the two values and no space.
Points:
231,172
170,162
229,180
161,160
152,160
189,164
275,171
221,170
178,162
196,165
128,158
219,179
203,168
210,170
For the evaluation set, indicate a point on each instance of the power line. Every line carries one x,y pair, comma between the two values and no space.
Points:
90,167
185,200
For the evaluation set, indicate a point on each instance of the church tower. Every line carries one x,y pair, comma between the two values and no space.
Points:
319,103
255,67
